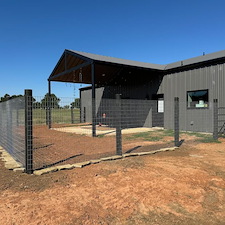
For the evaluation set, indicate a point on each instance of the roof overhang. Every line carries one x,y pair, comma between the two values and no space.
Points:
75,67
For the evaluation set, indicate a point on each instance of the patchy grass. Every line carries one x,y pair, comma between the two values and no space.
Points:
204,138
209,140
100,135
168,132
145,136
159,135
156,135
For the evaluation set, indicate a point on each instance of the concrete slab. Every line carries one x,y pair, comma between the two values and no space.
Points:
86,130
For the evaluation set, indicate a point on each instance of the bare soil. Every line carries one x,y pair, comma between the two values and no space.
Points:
186,186
52,147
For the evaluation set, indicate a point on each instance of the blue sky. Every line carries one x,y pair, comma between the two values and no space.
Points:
34,34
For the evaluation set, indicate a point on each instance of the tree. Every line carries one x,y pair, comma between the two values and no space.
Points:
52,101
36,105
7,97
76,103
66,106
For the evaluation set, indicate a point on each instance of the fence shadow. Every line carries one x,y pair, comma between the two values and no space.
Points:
60,161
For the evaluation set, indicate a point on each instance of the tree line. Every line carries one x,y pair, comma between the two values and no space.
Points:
51,101
7,97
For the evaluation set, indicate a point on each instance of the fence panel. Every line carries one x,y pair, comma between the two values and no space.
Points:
139,121
12,128
122,126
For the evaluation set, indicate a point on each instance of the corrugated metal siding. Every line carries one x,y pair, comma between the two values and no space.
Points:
86,101
174,85
177,84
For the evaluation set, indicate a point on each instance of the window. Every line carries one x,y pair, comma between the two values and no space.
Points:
197,99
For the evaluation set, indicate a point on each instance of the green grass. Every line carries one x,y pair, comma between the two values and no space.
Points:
168,133
58,116
147,136
204,138
160,134
209,140
196,134
101,136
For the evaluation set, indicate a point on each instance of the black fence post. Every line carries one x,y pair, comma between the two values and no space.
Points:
176,121
84,115
94,118
118,125
72,115
28,132
48,107
215,119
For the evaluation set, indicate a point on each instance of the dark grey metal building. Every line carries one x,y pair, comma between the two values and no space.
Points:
196,81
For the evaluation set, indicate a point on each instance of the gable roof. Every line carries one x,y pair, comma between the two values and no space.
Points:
101,58
185,62
72,62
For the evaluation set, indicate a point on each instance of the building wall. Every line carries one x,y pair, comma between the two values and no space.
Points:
175,84
178,83
133,90
86,103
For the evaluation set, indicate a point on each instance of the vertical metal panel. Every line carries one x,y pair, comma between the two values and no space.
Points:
177,84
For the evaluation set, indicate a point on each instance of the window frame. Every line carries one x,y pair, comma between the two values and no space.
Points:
205,107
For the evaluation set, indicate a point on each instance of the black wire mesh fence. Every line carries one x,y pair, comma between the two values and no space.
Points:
40,132
120,126
12,128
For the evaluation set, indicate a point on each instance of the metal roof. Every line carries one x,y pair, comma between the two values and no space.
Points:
186,62
109,59
72,62
196,60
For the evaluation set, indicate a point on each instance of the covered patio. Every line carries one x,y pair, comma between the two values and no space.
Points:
99,71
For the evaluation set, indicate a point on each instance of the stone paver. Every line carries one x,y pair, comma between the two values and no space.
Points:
19,170
82,164
65,167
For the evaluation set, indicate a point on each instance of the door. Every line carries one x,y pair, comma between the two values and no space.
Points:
158,111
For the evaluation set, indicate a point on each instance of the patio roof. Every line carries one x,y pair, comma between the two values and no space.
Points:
75,66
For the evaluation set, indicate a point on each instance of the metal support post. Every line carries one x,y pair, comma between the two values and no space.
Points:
118,125
72,116
93,101
215,119
84,115
176,121
28,132
49,113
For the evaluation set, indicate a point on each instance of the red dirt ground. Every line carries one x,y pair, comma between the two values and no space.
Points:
186,186
53,147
